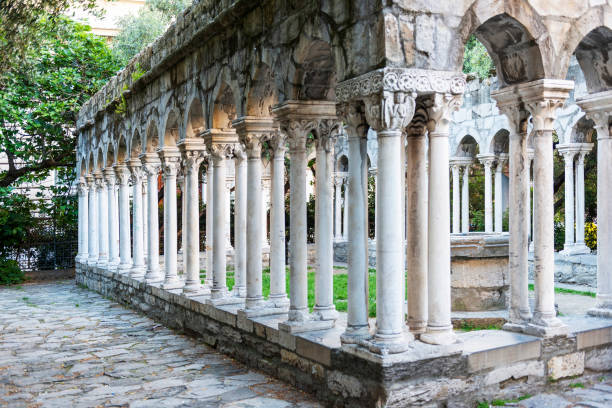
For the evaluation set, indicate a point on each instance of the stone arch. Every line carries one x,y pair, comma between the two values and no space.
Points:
91,166
583,131
342,164
136,145
151,136
467,147
109,155
514,36
261,92
122,149
194,122
500,142
223,107
170,135
314,74
594,55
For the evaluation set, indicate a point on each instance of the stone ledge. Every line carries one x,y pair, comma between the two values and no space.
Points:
496,348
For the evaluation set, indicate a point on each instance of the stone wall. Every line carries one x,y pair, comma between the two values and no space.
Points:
575,270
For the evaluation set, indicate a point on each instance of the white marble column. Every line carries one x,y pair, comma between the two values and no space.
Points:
509,104
499,202
102,220
439,327
113,215
487,162
209,222
542,100
345,215
192,151
83,222
416,223
598,108
265,202
229,182
241,204
151,166
324,308
580,246
529,212
138,266
456,170
170,158
93,222
570,209
465,200
357,327
180,180
125,245
278,288
337,207
145,223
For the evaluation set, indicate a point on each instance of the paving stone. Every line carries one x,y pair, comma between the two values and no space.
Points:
545,401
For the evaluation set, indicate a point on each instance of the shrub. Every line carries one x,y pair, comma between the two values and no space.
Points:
590,235
10,273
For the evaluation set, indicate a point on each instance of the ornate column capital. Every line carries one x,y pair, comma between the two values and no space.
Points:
170,161
82,186
568,152
278,144
150,163
123,173
542,98
353,115
220,143
99,180
487,160
440,108
192,154
390,110
135,167
598,108
327,134
110,176
297,119
253,132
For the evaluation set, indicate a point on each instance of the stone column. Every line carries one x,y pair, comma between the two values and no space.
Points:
265,201
345,219
465,200
145,223
298,119
138,267
356,195
241,206
228,208
388,113
125,245
102,220
499,206
542,98
456,169
151,166
180,179
570,210
598,108
580,246
83,222
278,292
170,158
509,104
209,222
324,308
93,222
192,151
416,223
487,162
337,207
113,215
439,327
529,216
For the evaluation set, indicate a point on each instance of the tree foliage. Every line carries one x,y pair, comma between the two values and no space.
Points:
476,60
136,31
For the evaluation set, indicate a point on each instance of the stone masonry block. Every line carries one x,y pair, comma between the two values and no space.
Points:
567,365
599,359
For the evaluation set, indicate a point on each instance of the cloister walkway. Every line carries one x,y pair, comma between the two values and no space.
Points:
63,346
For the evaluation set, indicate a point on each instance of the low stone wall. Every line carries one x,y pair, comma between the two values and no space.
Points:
576,269
484,365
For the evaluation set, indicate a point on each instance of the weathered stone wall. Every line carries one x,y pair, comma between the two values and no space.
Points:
576,270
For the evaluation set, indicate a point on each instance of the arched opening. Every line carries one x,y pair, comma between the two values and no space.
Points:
136,146
315,75
262,94
500,142
342,164
594,54
121,149
152,137
195,123
224,110
171,133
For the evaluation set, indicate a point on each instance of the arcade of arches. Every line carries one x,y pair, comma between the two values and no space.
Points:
237,93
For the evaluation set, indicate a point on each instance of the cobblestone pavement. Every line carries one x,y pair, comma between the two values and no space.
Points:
62,346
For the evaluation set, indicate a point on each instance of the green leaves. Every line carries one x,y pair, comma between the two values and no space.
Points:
476,60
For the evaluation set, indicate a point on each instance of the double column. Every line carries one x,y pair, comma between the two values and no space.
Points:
113,219
138,265
102,210
461,218
598,108
151,166
192,151
499,201
170,158
92,238
83,221
125,250
487,161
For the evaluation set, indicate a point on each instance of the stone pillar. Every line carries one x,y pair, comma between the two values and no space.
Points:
580,246
487,162
102,220
388,113
192,151
138,266
241,205
220,144
456,169
180,179
93,222
297,119
83,222
151,166
345,219
278,292
357,327
113,215
416,223
529,216
170,158
509,104
324,308
125,245
570,209
337,208
439,327
265,202
499,202
598,108
145,223
542,98
465,200
209,222
228,208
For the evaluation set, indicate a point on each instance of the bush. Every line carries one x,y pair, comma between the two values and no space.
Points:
10,273
559,234
590,235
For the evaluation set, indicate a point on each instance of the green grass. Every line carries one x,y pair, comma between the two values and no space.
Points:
569,291
577,385
467,327
340,287
502,402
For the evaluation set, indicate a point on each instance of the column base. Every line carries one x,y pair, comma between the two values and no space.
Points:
91,262
102,263
575,249
417,327
154,277
239,291
324,313
279,301
393,344
138,272
515,327
112,266
292,326
439,336
172,283
598,311
124,268
355,334
221,296
265,309
196,289
546,327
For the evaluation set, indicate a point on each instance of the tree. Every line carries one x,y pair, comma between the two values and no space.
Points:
476,60
137,31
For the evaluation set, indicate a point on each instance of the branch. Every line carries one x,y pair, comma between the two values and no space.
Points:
10,176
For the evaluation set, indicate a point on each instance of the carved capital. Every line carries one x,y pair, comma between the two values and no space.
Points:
170,166
297,131
353,115
390,110
487,161
327,134
220,151
123,174
151,168
82,186
110,176
253,144
99,181
192,160
602,123
543,112
136,173
440,112
278,144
